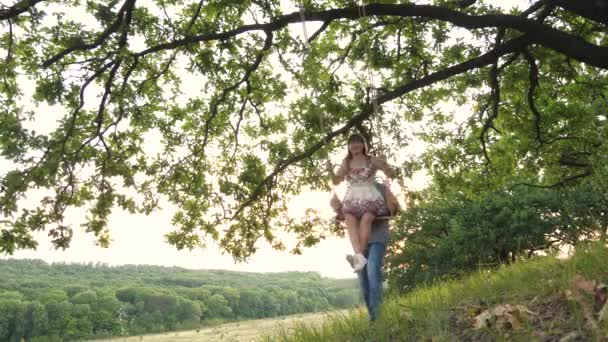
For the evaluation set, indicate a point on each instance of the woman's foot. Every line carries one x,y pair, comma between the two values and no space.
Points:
359,262
351,260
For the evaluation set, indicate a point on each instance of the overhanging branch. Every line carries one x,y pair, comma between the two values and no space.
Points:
535,32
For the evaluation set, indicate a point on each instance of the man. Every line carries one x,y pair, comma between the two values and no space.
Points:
370,277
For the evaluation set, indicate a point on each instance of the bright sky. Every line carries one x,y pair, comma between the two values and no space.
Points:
138,239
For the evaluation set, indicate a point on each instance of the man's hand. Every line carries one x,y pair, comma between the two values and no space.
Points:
329,166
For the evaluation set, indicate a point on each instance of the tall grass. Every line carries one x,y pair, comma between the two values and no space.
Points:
427,312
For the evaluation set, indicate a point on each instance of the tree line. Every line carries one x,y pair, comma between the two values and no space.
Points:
58,302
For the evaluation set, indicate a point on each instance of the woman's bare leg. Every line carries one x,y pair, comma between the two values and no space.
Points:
352,229
358,261
365,230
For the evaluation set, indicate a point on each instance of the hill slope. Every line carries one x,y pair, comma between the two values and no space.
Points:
545,299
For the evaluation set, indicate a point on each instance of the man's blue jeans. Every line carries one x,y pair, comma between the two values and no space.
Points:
370,278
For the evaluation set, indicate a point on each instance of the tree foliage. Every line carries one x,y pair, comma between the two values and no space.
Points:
217,106
445,237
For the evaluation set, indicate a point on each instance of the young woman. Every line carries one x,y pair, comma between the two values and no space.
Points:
362,199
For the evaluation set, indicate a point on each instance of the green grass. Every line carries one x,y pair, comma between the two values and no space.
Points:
446,312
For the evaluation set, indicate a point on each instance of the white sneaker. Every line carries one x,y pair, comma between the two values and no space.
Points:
360,262
351,260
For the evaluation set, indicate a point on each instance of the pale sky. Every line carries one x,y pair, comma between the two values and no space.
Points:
138,239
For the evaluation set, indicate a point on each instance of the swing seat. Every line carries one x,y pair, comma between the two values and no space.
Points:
340,217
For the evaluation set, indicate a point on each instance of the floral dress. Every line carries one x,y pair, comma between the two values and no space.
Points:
361,196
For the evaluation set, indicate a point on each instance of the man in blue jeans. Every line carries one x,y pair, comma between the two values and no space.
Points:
370,277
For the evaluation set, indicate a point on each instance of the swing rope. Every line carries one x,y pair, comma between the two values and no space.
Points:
306,50
372,90
303,20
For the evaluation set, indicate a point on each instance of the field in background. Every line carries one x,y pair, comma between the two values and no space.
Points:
241,331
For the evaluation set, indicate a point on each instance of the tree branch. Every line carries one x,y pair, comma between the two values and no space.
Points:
495,98
18,8
595,10
536,32
565,161
237,127
171,58
533,77
319,31
7,62
99,119
558,183
535,7
126,8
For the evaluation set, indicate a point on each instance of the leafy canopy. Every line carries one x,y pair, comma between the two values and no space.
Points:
221,109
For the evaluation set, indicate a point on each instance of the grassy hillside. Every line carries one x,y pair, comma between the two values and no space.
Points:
545,299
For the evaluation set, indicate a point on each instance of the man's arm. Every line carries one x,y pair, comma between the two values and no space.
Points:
384,212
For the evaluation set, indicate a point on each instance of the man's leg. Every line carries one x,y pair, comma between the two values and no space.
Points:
364,284
373,275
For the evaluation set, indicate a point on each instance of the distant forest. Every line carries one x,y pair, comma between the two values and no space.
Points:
58,302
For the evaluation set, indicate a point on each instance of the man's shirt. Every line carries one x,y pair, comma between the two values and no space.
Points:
380,228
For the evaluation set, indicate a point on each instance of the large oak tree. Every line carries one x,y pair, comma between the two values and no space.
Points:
244,113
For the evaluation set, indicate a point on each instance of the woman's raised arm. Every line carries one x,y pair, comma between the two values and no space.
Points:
338,177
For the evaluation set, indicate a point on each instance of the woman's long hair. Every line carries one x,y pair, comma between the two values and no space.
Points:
356,137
